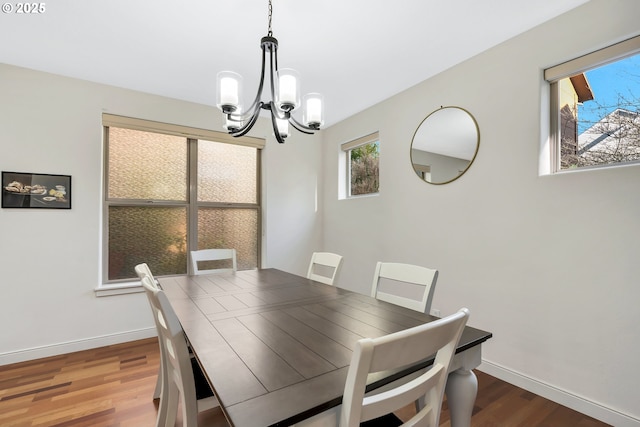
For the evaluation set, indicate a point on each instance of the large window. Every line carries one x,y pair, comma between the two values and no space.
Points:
169,191
362,163
595,108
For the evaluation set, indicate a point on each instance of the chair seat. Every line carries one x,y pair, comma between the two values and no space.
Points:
389,420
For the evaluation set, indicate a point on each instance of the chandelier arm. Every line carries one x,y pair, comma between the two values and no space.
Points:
246,115
296,124
275,57
256,105
247,127
275,129
273,54
282,115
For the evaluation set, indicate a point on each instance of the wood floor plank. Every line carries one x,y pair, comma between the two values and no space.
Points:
113,386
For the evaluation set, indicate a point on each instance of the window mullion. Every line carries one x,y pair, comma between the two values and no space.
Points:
192,240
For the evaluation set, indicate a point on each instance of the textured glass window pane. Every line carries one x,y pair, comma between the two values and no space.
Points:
233,229
226,173
146,165
155,235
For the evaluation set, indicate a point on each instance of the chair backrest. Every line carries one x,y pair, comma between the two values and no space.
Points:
143,270
324,267
396,350
179,372
213,255
407,285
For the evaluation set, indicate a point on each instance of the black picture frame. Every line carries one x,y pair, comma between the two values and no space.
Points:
36,190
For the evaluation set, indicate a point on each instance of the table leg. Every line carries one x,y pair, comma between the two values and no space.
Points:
461,390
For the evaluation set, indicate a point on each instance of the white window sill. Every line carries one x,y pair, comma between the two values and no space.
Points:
119,289
360,196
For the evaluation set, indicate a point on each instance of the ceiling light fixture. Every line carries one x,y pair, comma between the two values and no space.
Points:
285,97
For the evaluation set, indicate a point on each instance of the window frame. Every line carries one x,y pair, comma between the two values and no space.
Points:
346,149
192,205
553,75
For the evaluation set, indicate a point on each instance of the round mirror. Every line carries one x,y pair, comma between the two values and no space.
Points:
444,145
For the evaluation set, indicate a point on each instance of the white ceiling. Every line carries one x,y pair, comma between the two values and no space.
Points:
355,52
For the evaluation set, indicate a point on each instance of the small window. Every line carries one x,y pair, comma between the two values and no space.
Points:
595,108
362,163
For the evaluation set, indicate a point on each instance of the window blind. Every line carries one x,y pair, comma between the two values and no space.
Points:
178,130
592,60
360,141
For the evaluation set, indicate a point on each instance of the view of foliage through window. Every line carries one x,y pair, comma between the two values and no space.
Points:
600,115
364,167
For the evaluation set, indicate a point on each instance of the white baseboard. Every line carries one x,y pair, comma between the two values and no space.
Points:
563,397
72,346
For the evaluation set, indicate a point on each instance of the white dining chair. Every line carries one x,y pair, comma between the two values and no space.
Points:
324,267
143,270
161,390
180,384
407,285
213,255
398,350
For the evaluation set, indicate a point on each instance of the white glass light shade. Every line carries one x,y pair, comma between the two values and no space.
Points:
313,113
288,89
229,91
283,127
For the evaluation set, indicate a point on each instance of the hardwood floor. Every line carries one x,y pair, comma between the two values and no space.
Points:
112,387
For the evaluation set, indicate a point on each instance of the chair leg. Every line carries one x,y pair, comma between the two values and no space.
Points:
162,391
158,391
189,408
172,399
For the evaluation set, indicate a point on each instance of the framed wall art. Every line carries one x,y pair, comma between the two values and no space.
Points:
36,190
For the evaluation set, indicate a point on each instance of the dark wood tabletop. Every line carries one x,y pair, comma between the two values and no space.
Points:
276,347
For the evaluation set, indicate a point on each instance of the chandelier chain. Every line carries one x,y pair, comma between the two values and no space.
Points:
269,32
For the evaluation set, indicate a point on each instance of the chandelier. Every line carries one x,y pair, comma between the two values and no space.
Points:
285,97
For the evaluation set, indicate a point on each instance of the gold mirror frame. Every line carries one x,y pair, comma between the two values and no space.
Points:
445,144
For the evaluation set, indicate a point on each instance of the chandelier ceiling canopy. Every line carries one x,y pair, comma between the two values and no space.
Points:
284,87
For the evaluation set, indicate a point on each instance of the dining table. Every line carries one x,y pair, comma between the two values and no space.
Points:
275,347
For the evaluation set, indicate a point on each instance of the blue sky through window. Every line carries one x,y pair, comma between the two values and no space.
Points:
610,83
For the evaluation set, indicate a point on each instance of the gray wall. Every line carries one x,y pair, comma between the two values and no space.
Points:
547,263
